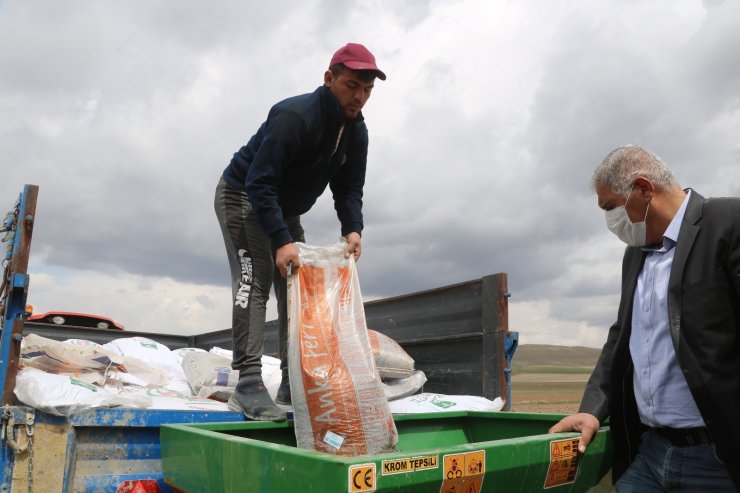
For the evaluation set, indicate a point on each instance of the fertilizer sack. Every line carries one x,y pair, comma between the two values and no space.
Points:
339,405
390,358
76,355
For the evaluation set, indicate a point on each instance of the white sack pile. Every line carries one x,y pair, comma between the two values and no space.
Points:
64,377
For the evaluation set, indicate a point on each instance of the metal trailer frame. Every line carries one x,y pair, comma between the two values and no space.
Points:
18,226
462,452
457,335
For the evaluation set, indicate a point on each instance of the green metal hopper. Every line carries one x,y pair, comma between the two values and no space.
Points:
455,452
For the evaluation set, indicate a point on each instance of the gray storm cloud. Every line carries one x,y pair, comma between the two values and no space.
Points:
482,140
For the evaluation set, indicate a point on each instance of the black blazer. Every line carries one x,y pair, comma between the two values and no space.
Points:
704,315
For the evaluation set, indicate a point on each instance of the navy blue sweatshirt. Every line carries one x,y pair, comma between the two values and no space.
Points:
289,162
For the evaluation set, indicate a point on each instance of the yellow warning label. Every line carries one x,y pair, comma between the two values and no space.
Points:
453,466
410,464
463,473
361,478
464,485
452,486
475,463
564,462
472,485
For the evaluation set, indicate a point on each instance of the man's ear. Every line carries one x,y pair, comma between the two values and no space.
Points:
328,78
645,186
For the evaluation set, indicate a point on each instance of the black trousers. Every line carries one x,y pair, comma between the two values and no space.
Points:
253,272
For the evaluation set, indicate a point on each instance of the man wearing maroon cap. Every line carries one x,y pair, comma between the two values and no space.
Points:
307,142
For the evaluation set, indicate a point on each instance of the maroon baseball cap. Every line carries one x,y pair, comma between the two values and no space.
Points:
356,57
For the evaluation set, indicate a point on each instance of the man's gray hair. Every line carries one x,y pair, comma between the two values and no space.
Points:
620,167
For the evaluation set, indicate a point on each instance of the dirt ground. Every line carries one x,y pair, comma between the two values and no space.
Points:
547,393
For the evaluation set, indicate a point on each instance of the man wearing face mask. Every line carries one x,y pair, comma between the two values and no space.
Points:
668,377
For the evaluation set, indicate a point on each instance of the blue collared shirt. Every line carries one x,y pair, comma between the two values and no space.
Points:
663,396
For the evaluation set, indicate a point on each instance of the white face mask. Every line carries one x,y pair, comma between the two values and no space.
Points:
619,223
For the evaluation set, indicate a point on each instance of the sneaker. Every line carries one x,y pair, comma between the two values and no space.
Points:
251,397
283,393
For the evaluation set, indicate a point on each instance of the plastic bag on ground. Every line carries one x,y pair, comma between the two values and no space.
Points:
339,406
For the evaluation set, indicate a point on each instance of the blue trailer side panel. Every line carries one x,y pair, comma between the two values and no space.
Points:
97,449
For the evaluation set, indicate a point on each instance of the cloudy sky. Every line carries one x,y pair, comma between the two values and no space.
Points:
482,141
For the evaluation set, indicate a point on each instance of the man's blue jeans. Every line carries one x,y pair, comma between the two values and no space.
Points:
661,466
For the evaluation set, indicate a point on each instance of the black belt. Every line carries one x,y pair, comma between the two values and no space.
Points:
682,437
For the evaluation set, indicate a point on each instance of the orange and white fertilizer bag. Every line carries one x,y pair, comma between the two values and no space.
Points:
339,405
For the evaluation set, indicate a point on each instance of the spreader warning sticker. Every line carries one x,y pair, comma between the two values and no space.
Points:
361,478
410,464
564,462
463,473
